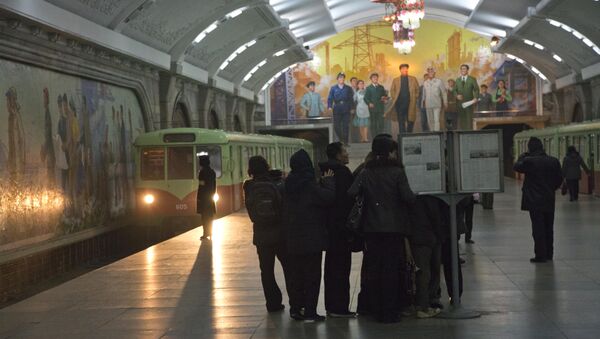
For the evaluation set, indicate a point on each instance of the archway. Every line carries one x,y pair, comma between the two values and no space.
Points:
577,113
213,120
237,124
180,116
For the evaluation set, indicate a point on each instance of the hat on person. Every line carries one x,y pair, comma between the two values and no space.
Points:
382,145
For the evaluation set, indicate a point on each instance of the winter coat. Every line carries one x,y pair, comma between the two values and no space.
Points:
337,214
427,221
413,89
571,167
388,197
304,206
266,235
543,176
207,187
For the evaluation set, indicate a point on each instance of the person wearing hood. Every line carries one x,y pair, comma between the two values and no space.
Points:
338,257
304,204
571,169
543,176
387,201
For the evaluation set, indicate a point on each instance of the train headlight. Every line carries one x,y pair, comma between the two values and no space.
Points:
149,199
216,197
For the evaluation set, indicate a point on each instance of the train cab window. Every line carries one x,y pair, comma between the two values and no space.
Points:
180,164
153,163
214,153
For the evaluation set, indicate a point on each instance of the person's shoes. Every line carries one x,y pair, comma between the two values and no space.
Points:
428,313
389,319
409,311
537,260
296,315
276,308
469,241
313,318
437,305
345,314
461,261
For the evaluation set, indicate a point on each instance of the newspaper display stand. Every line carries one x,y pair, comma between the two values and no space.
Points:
470,162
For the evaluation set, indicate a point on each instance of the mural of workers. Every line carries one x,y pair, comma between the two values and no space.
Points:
67,167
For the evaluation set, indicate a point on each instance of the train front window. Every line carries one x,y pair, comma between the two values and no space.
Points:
181,163
153,163
214,153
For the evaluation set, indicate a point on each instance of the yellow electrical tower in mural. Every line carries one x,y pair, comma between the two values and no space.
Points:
362,42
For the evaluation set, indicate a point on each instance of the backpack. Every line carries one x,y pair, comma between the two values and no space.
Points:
263,202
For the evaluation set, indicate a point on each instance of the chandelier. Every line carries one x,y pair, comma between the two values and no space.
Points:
405,16
404,38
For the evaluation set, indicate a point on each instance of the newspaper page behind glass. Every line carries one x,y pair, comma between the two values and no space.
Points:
423,162
479,162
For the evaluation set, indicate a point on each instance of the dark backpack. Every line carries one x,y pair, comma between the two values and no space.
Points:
263,202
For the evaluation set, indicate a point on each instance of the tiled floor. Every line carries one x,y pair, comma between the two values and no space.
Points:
187,288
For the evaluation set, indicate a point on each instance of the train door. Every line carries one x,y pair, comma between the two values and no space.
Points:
236,177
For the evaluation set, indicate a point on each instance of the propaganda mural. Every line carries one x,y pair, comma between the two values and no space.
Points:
360,51
66,160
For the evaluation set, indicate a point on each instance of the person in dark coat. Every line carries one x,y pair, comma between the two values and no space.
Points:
543,176
338,257
306,235
388,199
571,168
268,238
426,245
207,188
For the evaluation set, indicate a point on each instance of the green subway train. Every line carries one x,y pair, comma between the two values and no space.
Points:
584,136
167,168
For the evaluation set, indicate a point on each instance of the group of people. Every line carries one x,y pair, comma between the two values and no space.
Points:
440,107
297,218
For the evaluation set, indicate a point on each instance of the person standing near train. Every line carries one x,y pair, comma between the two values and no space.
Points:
207,187
571,167
543,176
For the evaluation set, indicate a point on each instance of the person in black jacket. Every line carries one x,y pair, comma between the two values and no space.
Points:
267,236
571,169
543,176
306,235
207,187
426,244
388,199
338,257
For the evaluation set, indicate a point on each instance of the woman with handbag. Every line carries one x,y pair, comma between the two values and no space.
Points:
385,223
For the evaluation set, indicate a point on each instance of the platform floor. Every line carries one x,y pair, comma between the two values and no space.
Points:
187,288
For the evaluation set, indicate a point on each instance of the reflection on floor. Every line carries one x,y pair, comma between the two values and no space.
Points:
187,288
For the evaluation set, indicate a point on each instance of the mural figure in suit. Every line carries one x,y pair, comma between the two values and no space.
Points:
466,89
404,94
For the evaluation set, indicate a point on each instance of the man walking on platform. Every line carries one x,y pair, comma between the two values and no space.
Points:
466,89
404,93
543,176
341,101
375,97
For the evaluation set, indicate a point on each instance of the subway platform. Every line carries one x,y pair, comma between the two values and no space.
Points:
187,288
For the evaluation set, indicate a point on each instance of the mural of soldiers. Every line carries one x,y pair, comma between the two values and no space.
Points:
86,160
466,89
16,136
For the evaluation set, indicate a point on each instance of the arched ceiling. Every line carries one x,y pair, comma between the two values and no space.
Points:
196,37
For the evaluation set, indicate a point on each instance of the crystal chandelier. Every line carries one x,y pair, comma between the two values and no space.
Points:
405,16
404,38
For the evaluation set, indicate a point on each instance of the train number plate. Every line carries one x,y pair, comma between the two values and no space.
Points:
181,207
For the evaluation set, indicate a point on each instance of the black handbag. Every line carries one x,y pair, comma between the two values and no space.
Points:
354,224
